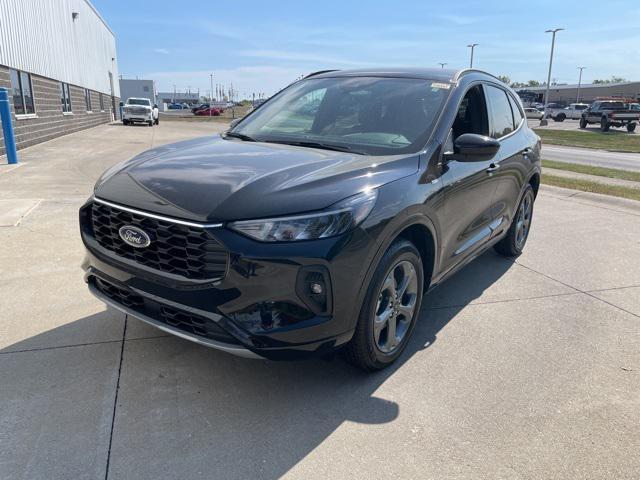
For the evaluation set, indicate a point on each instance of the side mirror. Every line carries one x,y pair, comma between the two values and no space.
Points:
155,105
471,147
234,123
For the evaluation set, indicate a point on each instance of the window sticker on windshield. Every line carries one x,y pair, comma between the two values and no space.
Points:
437,85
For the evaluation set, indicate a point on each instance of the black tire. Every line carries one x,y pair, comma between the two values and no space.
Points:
150,123
125,122
604,124
512,245
560,117
158,121
583,123
631,127
363,349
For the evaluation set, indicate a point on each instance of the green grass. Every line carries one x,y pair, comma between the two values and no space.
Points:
591,170
588,186
614,141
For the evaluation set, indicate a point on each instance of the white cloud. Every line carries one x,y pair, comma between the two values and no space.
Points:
163,51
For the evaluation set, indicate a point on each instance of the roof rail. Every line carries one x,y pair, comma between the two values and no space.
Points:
320,72
464,71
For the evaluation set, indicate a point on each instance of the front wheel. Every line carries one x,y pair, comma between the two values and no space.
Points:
583,123
604,124
125,122
390,309
513,243
560,118
631,127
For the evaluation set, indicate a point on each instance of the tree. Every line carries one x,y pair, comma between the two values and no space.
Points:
533,83
613,79
504,79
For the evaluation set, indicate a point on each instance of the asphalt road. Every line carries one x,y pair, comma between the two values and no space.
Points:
586,156
518,369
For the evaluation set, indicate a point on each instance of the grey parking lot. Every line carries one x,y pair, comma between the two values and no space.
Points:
518,369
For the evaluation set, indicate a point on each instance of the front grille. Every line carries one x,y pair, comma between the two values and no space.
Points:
190,252
138,111
180,319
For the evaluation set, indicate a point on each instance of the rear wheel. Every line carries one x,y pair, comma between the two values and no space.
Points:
631,127
604,124
560,117
150,123
125,122
583,123
390,309
513,243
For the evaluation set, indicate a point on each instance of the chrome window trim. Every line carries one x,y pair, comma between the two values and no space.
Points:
157,217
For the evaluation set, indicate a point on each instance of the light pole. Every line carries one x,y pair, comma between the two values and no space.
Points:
211,99
553,31
472,46
579,83
442,64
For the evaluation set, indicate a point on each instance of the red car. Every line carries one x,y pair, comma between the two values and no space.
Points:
214,112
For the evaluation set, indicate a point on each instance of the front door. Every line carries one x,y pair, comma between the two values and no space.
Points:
469,187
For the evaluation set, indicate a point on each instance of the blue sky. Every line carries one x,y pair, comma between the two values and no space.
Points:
261,46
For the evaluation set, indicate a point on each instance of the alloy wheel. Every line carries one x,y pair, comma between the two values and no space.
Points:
523,221
396,305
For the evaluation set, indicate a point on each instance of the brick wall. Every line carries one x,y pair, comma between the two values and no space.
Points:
49,121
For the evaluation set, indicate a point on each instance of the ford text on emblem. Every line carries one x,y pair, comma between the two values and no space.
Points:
134,236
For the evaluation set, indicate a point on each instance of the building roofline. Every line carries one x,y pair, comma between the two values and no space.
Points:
104,22
575,85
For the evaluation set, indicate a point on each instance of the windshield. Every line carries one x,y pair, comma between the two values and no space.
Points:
139,101
371,115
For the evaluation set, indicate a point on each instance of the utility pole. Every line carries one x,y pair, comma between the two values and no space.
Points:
553,31
211,100
442,64
174,94
579,83
472,46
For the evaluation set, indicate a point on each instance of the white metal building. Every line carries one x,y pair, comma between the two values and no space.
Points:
58,58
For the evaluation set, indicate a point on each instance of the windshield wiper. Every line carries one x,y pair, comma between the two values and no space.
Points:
241,136
321,145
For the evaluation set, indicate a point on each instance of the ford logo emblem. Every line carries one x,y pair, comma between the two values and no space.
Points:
134,236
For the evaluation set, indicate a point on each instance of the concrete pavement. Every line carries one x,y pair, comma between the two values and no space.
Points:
588,156
525,369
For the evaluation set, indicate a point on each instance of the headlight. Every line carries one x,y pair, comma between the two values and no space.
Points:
338,219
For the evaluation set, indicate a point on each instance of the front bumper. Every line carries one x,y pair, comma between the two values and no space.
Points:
260,308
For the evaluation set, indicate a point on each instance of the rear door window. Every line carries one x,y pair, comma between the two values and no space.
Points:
500,112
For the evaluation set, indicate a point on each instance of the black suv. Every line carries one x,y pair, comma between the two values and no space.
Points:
319,220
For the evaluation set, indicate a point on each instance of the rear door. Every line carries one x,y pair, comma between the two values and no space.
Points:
512,161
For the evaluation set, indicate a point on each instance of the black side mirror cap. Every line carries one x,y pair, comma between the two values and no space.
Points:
471,147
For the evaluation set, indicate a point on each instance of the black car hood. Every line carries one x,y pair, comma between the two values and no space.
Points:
212,179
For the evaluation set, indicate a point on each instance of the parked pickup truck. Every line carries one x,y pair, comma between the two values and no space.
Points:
139,110
574,111
610,113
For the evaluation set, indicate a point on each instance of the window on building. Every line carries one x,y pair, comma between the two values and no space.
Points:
65,97
501,114
87,99
22,92
101,103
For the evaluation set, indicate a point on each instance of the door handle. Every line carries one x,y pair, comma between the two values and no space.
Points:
493,167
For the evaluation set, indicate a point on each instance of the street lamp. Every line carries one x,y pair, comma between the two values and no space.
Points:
442,64
472,46
579,83
553,31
